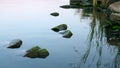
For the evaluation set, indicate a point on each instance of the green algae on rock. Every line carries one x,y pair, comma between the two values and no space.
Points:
36,52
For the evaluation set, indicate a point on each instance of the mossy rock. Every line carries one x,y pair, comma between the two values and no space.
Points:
59,27
36,52
43,53
33,49
55,14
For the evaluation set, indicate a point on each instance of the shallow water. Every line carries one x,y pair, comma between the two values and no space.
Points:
31,22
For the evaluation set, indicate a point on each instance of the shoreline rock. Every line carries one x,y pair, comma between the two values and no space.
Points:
115,7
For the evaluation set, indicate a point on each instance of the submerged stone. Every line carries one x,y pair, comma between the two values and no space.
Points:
36,52
59,27
15,43
55,14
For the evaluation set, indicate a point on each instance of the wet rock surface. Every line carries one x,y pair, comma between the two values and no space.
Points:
115,11
16,43
55,14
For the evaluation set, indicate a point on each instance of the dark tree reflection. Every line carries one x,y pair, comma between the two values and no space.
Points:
99,52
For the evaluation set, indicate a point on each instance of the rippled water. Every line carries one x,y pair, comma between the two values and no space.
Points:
30,21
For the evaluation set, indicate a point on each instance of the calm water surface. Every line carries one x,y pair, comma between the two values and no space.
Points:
30,21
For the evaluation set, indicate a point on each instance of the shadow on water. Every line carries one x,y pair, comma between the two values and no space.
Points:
99,52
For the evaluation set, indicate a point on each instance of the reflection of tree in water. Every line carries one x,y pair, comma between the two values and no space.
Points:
96,39
99,54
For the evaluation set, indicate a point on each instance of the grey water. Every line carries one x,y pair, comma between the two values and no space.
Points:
30,21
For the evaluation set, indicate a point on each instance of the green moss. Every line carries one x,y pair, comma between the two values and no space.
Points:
36,52
43,53
43,50
116,27
35,48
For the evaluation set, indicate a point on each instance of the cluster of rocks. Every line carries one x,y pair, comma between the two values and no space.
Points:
62,29
34,52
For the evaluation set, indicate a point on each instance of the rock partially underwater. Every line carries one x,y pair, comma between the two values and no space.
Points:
55,14
59,27
62,29
36,52
15,43
69,6
66,34
77,5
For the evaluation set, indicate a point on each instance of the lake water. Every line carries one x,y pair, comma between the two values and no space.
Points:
30,21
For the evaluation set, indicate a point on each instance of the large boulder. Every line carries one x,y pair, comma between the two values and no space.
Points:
115,11
16,43
36,52
115,7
